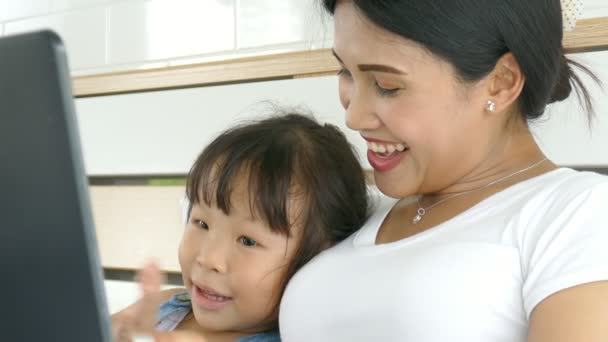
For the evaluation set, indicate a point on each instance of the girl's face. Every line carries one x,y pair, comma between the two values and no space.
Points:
401,97
233,266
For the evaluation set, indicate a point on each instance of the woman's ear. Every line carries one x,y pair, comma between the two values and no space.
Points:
505,84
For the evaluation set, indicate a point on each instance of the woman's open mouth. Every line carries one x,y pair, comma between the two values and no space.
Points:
384,156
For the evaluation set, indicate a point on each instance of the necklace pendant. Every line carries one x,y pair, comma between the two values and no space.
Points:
419,215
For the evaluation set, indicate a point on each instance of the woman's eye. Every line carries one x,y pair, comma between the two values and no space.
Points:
386,92
344,72
248,242
201,224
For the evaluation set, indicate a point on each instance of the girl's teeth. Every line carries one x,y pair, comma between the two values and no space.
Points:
216,298
400,147
381,149
391,148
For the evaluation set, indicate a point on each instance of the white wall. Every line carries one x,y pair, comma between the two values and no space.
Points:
103,35
162,132
566,135
595,8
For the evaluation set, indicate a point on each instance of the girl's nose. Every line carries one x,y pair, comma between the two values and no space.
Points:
212,256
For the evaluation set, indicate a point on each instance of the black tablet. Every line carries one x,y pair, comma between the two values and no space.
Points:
51,283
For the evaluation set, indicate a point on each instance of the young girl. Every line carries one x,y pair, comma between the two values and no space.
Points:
265,198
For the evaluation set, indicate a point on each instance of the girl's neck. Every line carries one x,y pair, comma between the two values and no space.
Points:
189,323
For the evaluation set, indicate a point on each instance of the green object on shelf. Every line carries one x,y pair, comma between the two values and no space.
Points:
166,181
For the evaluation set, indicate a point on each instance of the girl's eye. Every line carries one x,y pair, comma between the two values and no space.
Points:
247,242
201,224
344,72
385,92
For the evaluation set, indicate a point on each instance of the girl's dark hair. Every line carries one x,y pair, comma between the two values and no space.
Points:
285,158
474,34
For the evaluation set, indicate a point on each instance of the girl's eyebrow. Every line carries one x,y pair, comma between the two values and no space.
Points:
373,67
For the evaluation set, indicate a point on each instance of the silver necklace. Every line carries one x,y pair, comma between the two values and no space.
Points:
422,211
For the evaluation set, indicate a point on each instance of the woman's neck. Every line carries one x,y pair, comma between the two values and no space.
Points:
515,151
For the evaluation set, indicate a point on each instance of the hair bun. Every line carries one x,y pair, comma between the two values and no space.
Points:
563,88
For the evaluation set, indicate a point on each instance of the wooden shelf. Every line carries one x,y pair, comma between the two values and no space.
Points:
278,66
590,35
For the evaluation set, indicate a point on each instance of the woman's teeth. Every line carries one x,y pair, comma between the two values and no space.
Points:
386,148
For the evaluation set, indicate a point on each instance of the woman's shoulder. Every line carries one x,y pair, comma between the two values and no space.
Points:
548,197
562,235
566,184
580,178
565,203
561,185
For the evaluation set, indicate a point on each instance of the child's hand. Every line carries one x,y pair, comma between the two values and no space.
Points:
142,316
177,336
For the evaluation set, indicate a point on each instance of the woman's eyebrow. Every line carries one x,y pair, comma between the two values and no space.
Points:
373,67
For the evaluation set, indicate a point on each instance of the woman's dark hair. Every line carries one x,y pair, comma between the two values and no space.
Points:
474,34
285,158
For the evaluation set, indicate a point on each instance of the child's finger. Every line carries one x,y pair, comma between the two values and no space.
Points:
150,280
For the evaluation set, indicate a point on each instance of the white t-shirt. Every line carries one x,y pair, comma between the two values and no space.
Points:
474,278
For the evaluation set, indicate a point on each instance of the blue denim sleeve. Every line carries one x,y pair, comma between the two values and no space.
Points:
271,336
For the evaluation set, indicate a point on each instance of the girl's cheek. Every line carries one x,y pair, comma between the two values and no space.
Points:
185,253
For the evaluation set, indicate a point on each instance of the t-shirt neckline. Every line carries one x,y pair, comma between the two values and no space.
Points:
366,236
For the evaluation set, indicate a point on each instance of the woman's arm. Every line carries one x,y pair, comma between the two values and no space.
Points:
579,313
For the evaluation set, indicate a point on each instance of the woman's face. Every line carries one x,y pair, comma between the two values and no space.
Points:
401,97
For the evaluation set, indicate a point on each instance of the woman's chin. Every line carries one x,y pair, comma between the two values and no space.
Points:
393,184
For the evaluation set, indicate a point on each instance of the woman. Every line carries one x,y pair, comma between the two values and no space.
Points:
486,239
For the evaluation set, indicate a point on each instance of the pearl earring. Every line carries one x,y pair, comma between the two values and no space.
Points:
491,107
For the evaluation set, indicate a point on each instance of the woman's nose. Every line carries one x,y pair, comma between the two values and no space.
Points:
360,115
